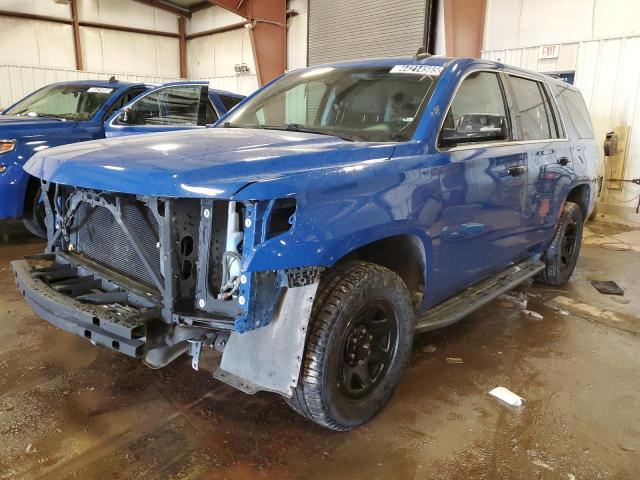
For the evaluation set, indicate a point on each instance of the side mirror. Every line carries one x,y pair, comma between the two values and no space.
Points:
475,127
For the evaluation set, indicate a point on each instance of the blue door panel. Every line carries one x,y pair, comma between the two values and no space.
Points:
481,220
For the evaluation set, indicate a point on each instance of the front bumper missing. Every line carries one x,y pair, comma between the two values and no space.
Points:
112,324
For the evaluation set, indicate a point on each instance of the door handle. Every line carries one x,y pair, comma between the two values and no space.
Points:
516,170
563,161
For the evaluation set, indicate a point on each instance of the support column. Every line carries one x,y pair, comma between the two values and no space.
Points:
268,31
76,34
464,27
183,47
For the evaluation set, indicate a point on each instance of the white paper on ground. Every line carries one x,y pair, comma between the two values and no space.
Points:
507,396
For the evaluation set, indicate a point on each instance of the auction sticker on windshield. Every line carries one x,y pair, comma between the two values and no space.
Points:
417,69
100,90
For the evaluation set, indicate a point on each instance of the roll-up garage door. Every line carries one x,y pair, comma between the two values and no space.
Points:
354,29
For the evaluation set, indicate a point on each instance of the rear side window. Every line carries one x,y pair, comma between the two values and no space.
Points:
477,113
535,115
229,102
578,112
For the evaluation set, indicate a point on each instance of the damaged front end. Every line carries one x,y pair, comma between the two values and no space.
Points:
155,278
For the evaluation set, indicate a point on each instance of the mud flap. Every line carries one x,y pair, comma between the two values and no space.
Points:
269,358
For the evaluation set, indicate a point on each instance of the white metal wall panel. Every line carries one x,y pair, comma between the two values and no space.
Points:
31,42
111,50
345,30
17,81
209,18
128,14
37,7
525,23
242,84
217,55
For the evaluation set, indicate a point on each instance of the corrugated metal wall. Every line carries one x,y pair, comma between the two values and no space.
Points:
345,30
243,84
17,82
608,75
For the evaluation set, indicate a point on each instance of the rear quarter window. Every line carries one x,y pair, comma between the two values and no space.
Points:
577,111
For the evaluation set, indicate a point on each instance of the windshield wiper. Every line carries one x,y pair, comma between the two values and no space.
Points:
41,115
296,127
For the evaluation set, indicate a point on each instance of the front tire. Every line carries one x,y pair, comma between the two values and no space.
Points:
360,337
562,255
34,212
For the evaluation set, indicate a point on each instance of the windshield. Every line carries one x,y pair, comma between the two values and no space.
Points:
70,102
370,104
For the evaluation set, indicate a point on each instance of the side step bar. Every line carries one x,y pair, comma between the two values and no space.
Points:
461,305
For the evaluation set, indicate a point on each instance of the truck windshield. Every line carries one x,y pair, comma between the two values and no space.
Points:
368,104
70,102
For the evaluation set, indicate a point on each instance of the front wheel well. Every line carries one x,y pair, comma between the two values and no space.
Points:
402,254
32,188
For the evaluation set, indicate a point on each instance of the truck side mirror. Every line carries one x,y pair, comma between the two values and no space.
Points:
475,127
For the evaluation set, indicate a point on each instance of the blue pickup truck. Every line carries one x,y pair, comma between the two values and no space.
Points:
71,112
324,221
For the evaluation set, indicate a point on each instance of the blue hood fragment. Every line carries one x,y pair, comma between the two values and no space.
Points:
208,163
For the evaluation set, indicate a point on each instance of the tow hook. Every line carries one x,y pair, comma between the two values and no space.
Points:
195,346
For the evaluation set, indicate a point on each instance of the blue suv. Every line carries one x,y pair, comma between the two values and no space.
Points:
71,112
327,218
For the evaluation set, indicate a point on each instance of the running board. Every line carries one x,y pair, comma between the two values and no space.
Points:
461,305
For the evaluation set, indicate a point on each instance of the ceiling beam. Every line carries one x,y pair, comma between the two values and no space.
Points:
213,31
167,7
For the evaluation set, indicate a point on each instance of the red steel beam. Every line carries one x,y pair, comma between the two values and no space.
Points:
29,16
239,7
120,28
213,31
183,47
268,21
464,27
76,34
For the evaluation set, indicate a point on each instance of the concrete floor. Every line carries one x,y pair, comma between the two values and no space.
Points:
72,410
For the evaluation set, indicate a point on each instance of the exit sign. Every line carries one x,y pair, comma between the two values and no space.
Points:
549,51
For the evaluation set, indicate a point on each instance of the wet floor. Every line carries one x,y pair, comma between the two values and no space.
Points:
72,410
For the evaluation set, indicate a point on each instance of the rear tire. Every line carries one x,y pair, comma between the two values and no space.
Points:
360,337
562,255
34,212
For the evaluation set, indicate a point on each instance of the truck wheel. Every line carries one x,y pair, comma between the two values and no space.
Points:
359,341
34,212
562,255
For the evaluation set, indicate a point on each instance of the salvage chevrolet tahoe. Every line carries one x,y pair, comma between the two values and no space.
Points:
327,218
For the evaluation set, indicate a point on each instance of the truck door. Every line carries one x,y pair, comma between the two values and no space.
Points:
483,179
550,161
166,108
